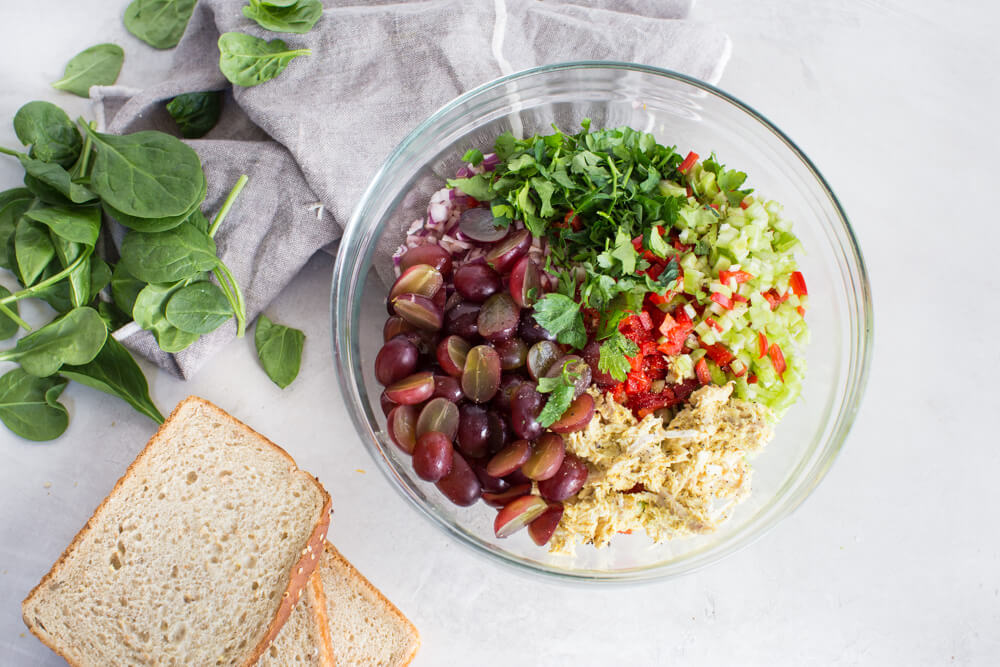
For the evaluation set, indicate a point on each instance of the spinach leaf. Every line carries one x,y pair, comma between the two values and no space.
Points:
148,313
74,338
248,61
279,349
155,224
8,327
166,257
159,23
298,16
48,130
100,276
80,225
115,372
79,278
29,405
146,174
97,66
9,215
14,194
57,179
196,113
113,317
198,308
125,288
33,249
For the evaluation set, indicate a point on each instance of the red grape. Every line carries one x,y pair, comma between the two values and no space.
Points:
509,459
431,254
419,279
517,514
460,486
481,376
498,318
542,528
567,481
411,390
546,456
477,282
401,424
439,414
396,360
451,353
502,256
577,415
432,456
419,311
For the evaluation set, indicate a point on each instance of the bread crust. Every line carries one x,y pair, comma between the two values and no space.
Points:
300,573
322,621
332,550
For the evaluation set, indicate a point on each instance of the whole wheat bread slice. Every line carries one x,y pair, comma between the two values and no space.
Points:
365,628
304,641
196,557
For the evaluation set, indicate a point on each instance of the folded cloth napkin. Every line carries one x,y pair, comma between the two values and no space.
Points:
311,138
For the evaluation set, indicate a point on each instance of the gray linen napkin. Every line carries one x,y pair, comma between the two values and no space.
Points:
311,139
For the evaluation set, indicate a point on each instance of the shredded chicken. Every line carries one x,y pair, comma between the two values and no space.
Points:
667,479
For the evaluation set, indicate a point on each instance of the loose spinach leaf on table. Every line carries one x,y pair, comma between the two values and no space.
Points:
9,215
124,288
115,372
74,338
146,174
114,318
33,249
298,16
196,113
29,405
79,224
248,61
78,281
8,327
154,224
14,194
55,179
97,66
279,349
159,23
149,314
198,308
166,257
100,275
48,130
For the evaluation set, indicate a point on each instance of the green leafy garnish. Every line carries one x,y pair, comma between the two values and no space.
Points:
560,315
279,349
561,390
473,156
614,355
729,180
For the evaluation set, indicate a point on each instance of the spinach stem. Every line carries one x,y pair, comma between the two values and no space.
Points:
226,205
51,280
239,307
85,155
10,151
14,316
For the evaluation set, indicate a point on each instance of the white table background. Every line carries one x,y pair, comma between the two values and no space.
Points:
895,560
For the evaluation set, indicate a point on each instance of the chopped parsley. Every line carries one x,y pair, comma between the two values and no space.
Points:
561,390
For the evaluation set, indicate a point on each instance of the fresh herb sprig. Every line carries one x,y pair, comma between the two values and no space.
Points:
561,390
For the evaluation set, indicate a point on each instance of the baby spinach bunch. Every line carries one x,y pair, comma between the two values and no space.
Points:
53,243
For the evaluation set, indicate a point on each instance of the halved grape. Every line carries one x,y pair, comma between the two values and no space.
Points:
431,254
460,486
567,481
504,254
481,375
490,484
517,514
421,279
473,430
509,385
477,282
530,330
513,353
577,415
419,311
396,360
525,407
499,432
394,326
509,459
542,528
576,367
462,320
525,282
505,497
541,357
517,477
592,355
439,414
432,456
478,225
401,424
546,456
411,390
498,318
386,404
447,387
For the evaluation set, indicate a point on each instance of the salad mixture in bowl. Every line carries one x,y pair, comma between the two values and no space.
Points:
593,333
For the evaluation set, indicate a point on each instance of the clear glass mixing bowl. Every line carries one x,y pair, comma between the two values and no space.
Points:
680,111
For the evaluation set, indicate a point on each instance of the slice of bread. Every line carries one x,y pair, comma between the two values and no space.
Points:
196,557
305,638
365,628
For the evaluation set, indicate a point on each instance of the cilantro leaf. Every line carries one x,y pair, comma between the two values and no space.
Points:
505,145
477,186
473,156
561,317
561,390
622,255
614,356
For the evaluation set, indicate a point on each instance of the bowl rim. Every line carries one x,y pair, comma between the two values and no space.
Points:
859,368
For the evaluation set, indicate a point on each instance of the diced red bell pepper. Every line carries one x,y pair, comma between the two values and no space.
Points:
682,319
688,162
681,247
701,370
657,299
647,321
737,373
655,270
745,204
772,300
667,324
739,276
752,379
648,348
761,345
740,298
618,393
712,323
800,310
722,300
637,383
778,359
685,389
719,354
798,284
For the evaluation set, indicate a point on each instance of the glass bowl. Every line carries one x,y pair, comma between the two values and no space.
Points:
680,111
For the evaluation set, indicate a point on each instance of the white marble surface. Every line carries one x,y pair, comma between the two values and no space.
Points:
894,560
